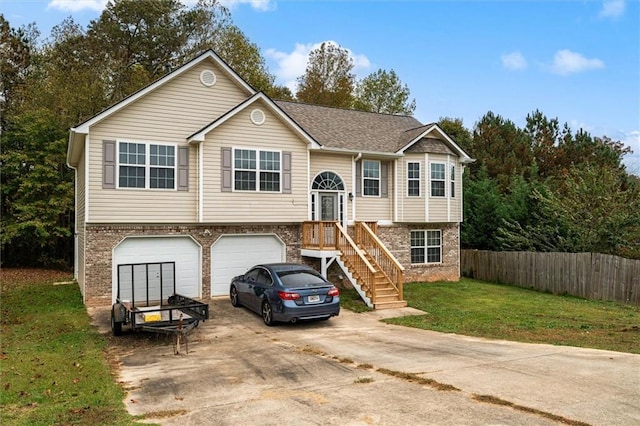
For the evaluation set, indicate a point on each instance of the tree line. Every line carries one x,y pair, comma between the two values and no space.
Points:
48,86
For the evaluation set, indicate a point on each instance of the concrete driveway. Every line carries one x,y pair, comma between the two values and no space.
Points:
356,370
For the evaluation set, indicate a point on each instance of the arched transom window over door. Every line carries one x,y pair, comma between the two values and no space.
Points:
328,181
327,197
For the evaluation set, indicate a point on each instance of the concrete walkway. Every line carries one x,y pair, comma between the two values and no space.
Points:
347,371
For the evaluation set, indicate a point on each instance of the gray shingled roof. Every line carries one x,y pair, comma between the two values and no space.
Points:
354,130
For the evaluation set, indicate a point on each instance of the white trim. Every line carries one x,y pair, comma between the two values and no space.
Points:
209,54
379,178
87,148
426,186
309,209
419,179
200,183
114,272
205,81
396,194
147,165
200,135
447,190
258,122
257,170
431,163
426,246
464,157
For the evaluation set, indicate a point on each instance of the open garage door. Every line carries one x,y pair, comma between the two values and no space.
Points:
232,255
184,251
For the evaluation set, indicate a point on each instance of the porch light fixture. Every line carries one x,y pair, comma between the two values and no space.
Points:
351,196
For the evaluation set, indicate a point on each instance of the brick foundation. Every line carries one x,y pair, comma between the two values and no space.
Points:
101,240
397,239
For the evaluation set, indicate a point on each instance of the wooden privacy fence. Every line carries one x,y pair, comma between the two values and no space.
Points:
587,275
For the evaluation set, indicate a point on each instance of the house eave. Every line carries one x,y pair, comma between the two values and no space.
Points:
464,157
369,154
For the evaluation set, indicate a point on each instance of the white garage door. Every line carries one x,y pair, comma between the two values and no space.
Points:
232,255
184,251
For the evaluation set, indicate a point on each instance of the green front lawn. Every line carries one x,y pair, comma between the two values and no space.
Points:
53,363
476,308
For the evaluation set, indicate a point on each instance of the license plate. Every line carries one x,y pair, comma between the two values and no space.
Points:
313,299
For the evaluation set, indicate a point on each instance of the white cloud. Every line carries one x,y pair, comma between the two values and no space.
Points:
77,5
514,61
291,65
612,9
632,161
566,62
260,5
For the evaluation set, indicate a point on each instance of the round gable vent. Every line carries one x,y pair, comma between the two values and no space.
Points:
208,78
257,117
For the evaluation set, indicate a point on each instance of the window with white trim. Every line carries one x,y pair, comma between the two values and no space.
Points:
146,165
453,181
371,178
426,246
437,180
413,179
255,170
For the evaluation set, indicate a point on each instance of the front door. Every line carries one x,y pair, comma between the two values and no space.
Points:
329,206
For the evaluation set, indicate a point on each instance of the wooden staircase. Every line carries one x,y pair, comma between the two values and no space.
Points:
373,271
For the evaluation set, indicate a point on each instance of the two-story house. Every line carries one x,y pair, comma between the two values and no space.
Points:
200,169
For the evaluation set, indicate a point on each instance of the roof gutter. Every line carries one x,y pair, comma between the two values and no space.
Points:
359,153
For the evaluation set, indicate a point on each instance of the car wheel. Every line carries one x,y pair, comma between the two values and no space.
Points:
233,295
116,326
267,313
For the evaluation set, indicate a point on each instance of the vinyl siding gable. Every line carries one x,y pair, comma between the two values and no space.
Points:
222,203
167,115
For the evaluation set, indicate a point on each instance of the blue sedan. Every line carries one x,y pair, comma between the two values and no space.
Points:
285,292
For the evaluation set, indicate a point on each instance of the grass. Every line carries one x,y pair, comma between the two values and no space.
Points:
53,364
476,308
350,299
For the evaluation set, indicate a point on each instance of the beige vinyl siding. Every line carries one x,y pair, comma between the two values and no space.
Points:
254,207
377,208
438,206
80,223
456,202
411,209
427,208
340,164
169,114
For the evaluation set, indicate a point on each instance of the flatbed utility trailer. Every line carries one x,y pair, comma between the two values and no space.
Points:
140,302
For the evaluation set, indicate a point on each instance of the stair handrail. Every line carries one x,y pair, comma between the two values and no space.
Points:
353,255
389,265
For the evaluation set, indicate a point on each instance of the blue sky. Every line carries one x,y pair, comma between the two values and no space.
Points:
576,60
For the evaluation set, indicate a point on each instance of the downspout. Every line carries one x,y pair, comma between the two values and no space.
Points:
354,184
200,185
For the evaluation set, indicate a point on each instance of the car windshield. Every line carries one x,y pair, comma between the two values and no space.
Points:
300,278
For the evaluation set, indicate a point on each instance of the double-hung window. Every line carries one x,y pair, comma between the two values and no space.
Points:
146,165
371,178
453,181
426,246
437,180
413,179
256,170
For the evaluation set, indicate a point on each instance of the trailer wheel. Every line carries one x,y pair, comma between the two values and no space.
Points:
116,326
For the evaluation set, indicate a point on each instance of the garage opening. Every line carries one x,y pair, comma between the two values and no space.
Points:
183,251
232,255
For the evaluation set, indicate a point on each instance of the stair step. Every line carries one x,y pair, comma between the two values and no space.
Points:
390,305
